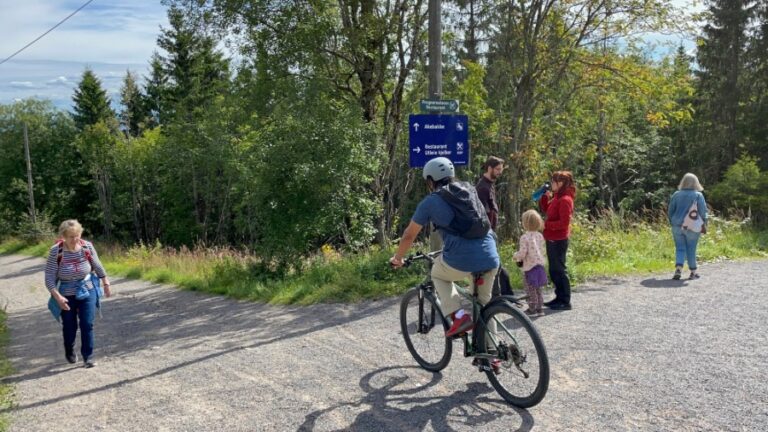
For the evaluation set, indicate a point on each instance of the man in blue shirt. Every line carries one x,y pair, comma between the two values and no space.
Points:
461,256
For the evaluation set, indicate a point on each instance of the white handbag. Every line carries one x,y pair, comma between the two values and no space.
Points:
692,221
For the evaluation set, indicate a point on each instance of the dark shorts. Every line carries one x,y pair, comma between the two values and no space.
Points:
536,277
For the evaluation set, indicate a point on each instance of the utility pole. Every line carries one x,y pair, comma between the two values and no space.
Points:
435,50
29,177
435,32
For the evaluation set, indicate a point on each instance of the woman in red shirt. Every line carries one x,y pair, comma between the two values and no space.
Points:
558,207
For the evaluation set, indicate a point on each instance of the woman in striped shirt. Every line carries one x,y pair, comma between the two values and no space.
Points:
70,263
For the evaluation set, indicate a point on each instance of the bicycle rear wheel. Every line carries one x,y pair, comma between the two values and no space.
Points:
523,377
424,329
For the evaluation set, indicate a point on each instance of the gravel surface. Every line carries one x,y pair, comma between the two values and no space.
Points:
635,354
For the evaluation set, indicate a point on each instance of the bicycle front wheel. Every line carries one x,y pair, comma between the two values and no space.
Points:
523,372
424,329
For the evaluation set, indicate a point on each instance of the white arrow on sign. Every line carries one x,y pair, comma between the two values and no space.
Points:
416,126
417,149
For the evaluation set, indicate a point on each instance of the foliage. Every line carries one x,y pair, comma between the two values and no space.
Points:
62,184
743,190
615,244
608,246
727,76
135,116
91,103
295,136
6,389
309,182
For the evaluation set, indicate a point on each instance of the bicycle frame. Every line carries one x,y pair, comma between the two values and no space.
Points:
427,287
477,308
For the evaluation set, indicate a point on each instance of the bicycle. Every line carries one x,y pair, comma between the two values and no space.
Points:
521,373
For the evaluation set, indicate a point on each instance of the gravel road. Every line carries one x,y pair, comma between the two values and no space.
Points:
635,354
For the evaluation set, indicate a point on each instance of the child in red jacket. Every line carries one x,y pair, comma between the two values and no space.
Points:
557,204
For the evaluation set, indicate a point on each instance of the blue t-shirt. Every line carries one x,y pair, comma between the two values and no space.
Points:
469,255
681,201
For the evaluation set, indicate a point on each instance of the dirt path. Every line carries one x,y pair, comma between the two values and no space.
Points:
635,354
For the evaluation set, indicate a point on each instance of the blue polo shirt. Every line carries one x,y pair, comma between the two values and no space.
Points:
469,255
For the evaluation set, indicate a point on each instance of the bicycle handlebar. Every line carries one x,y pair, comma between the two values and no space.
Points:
419,256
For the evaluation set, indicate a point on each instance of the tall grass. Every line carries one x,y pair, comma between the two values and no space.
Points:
6,390
616,245
329,276
612,245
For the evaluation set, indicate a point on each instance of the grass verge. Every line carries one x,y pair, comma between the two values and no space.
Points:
6,390
608,247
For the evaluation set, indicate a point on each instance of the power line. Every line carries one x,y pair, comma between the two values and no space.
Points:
49,30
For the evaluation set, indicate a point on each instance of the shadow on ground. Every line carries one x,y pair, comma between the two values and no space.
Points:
158,317
38,268
398,398
664,283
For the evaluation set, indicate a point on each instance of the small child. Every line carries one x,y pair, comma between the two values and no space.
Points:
531,255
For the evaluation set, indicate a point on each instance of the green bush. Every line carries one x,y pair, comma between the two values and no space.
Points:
742,191
309,184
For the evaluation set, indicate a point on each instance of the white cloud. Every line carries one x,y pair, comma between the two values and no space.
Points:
109,37
57,80
119,31
23,84
62,80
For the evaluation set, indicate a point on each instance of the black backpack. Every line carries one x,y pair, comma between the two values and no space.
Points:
469,218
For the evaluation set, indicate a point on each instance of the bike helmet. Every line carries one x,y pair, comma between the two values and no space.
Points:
438,168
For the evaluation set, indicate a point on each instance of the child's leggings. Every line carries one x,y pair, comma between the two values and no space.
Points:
535,299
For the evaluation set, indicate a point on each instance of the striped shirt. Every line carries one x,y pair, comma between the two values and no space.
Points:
74,267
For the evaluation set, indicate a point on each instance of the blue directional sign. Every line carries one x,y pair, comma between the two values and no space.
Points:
433,135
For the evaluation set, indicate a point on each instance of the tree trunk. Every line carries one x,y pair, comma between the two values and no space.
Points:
102,188
602,187
136,206
519,126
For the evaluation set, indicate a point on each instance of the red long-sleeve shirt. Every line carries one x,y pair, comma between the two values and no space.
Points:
559,209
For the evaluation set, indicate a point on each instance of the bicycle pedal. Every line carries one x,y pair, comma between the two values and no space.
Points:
485,366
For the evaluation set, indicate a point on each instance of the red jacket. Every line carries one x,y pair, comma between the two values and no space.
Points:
559,209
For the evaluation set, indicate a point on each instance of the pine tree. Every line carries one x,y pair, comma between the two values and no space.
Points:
191,78
195,70
722,58
156,89
681,134
134,117
757,101
92,104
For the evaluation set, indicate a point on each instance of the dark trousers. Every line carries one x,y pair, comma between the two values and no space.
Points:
501,285
558,272
83,311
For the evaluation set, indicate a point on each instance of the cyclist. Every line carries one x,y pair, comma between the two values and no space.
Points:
461,256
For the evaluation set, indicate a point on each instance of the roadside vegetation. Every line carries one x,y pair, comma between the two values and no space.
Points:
610,246
6,390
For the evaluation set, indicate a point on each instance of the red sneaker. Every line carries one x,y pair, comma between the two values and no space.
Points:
496,366
461,325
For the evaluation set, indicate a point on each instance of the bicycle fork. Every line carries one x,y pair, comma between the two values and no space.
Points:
426,319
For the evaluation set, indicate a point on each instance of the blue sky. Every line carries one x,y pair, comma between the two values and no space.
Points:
109,36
